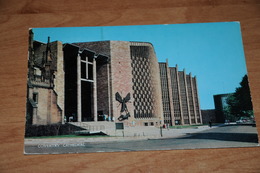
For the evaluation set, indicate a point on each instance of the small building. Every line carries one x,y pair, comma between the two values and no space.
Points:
208,115
45,83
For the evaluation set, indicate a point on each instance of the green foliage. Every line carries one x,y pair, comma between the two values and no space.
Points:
239,103
228,115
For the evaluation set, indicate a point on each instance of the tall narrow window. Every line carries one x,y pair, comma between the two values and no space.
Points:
83,70
35,97
90,71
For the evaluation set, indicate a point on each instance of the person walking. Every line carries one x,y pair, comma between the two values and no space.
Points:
210,124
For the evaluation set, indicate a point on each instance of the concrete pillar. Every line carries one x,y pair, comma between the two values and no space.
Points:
179,95
109,91
187,95
193,100
170,92
95,89
79,88
199,111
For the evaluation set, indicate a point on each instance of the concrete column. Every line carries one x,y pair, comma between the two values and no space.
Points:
193,99
109,91
196,85
95,89
170,93
187,95
79,88
179,94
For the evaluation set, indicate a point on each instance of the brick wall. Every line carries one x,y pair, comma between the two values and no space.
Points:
121,76
156,84
103,89
100,47
208,115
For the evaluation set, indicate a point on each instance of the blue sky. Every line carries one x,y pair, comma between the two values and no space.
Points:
213,52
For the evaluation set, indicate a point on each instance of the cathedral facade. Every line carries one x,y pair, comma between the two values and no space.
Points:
118,81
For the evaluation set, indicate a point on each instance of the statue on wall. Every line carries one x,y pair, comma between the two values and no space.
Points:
123,106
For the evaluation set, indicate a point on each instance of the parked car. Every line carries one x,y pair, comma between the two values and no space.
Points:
245,120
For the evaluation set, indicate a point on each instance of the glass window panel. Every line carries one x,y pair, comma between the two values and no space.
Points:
83,70
90,71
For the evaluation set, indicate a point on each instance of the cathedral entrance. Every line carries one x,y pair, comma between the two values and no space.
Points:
81,91
87,101
86,86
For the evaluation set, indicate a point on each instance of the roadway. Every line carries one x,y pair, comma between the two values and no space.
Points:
220,137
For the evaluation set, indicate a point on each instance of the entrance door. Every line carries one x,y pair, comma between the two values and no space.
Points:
87,101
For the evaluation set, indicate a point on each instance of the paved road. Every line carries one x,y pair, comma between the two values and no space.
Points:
226,136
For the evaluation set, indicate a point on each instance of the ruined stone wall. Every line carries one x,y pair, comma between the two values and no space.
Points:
50,104
47,111
40,53
59,77
55,110
43,108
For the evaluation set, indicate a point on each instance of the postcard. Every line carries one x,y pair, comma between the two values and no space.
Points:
137,88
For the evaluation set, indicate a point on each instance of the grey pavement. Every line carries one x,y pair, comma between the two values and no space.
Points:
129,134
203,137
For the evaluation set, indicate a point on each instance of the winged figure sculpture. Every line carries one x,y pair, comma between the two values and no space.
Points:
123,102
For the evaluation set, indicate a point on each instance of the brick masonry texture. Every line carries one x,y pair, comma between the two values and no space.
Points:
103,89
121,75
100,47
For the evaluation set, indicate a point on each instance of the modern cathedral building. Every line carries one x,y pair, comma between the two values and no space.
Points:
121,80
179,96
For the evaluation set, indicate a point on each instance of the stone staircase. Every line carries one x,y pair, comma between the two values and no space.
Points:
95,127
109,129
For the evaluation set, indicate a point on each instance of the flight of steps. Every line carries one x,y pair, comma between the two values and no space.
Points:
96,127
109,129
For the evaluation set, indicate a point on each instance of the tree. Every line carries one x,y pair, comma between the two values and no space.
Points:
239,103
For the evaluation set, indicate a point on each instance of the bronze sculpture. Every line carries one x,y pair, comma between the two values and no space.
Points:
123,102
